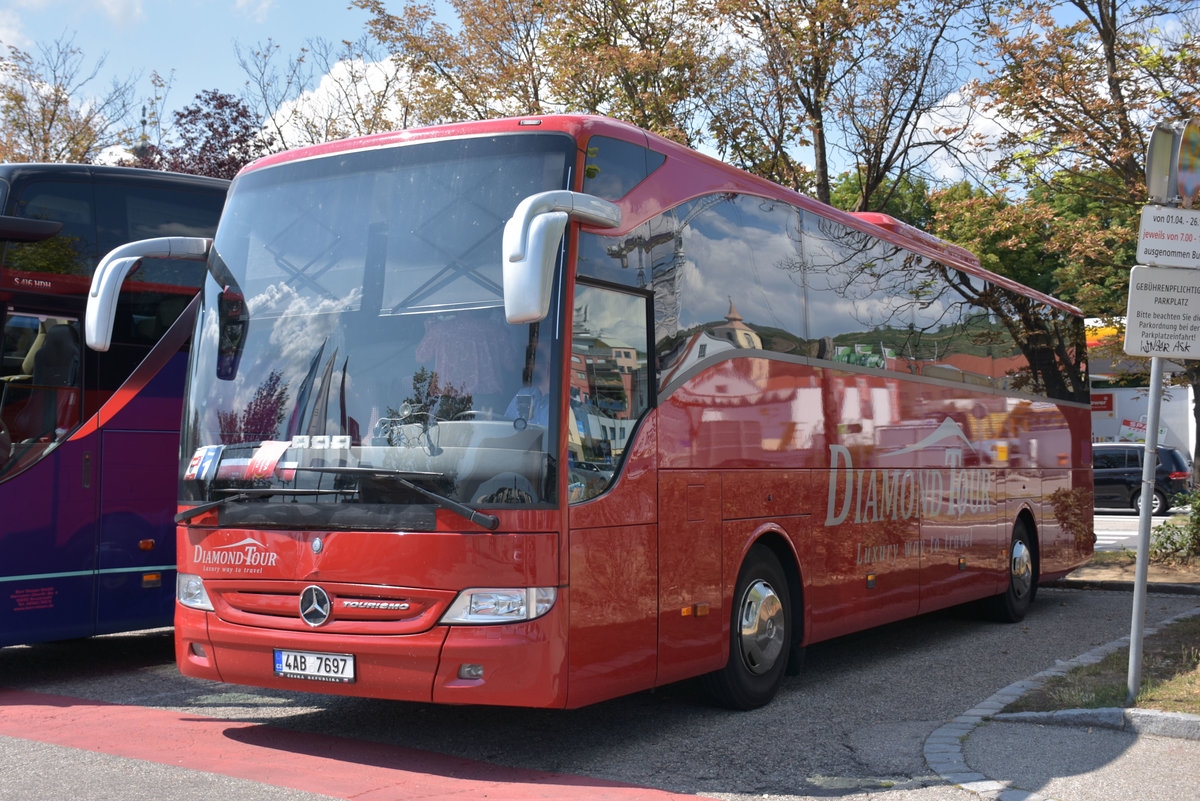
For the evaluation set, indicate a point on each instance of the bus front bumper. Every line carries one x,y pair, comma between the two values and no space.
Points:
521,664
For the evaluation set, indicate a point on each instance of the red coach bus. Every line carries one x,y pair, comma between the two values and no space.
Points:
544,411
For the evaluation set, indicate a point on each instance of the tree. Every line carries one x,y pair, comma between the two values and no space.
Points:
906,198
1074,101
329,92
858,82
47,111
216,136
491,65
1076,86
654,63
1076,98
651,62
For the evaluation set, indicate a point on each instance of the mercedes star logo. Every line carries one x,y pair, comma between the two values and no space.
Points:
315,606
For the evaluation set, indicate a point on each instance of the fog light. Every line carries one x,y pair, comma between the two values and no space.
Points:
470,672
198,650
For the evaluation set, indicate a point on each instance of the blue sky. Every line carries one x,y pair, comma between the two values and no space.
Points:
195,38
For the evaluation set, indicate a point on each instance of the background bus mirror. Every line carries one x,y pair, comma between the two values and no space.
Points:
531,240
232,324
23,229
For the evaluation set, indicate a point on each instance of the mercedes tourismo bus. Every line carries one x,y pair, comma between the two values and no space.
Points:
543,411
89,441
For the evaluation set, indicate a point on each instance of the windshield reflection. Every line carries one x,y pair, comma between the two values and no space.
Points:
373,361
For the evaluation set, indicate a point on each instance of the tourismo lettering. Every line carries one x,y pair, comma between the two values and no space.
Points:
901,494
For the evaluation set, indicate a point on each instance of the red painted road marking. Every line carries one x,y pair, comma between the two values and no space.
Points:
335,766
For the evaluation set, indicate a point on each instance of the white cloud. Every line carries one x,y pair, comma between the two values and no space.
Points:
10,30
256,10
123,10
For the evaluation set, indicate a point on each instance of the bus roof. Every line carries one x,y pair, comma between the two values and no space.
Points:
677,181
19,171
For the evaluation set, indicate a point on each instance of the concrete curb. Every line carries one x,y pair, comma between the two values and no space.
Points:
1123,586
1140,721
944,747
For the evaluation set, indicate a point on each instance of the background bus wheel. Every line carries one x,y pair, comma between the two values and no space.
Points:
760,636
1012,605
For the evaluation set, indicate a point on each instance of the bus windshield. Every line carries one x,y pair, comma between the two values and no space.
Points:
353,367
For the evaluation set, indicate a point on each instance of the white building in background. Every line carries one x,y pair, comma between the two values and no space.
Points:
1119,413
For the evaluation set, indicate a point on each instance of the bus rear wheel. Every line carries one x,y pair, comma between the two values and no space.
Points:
1012,605
760,636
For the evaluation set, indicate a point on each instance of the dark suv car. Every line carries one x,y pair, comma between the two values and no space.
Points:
1117,474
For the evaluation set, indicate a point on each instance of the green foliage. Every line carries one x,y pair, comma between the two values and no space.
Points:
907,199
1175,540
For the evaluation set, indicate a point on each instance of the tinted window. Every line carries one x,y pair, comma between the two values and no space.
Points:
613,166
40,403
74,250
736,272
1172,460
725,270
1108,458
128,212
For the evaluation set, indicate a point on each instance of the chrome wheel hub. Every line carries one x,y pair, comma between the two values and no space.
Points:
1021,569
763,627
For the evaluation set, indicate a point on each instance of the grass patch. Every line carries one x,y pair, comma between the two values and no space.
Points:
1113,558
1170,677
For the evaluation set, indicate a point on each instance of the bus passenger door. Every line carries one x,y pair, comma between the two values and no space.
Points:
140,461
612,447
691,616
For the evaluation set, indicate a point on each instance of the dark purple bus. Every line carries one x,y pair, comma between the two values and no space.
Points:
89,442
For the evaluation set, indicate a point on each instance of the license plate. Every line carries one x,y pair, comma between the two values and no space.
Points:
314,666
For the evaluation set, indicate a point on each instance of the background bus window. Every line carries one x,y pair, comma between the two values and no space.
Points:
40,397
158,292
73,251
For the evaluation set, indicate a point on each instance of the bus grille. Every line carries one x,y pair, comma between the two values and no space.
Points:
355,608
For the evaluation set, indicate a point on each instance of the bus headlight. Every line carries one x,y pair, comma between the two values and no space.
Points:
490,605
189,591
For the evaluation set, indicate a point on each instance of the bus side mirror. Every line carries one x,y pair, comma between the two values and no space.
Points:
232,322
531,240
112,271
24,229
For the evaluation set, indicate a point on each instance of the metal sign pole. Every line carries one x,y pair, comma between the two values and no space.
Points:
1160,320
1149,465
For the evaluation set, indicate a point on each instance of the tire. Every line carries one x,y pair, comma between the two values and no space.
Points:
760,634
1158,506
1013,604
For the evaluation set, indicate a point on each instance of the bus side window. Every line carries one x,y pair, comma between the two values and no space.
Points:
39,397
614,167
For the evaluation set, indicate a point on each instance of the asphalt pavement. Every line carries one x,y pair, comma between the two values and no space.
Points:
1070,755
1129,755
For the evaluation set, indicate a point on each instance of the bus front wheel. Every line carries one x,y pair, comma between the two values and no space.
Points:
760,636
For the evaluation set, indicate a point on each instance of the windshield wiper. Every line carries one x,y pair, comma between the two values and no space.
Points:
401,477
247,494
